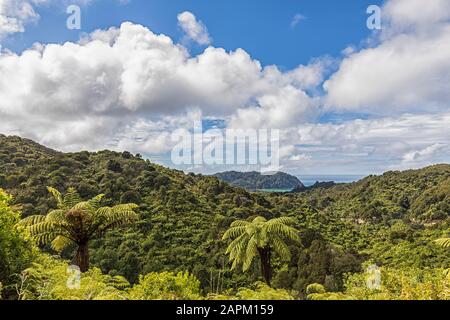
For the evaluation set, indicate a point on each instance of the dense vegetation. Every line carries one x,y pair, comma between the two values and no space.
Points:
256,181
174,250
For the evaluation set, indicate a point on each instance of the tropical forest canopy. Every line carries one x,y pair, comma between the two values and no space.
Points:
150,232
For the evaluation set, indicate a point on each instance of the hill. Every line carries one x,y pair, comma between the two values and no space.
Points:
390,219
317,185
257,181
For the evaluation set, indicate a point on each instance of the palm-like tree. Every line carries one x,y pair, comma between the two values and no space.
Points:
260,237
77,222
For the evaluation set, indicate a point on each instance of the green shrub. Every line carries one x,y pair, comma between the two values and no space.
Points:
396,284
262,291
16,249
315,288
51,279
166,286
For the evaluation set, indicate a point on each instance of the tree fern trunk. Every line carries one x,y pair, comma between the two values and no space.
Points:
81,258
266,268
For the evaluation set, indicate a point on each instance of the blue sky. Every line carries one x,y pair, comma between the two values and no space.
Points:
263,28
346,99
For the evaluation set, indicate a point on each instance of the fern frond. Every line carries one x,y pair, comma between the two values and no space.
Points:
444,242
239,223
56,216
236,243
281,249
282,220
259,220
41,227
119,282
60,243
250,254
124,213
283,230
71,198
45,237
234,232
31,220
57,195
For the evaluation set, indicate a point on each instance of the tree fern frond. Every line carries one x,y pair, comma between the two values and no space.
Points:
96,201
281,249
102,213
259,220
45,237
283,230
56,216
31,220
282,220
71,198
124,213
234,232
444,242
237,242
60,243
57,195
239,223
41,227
250,254
85,206
119,282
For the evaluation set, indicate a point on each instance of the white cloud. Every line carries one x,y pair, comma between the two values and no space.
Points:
284,108
296,20
300,157
128,88
15,14
421,157
194,29
101,90
364,146
412,14
407,71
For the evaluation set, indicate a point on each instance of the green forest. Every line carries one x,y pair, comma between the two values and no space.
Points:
140,231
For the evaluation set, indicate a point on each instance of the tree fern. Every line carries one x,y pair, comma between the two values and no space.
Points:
76,222
259,238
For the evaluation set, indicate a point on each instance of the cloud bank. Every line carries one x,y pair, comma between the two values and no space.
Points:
129,88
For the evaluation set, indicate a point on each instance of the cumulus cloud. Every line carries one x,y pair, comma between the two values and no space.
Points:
404,15
15,14
407,70
194,29
88,94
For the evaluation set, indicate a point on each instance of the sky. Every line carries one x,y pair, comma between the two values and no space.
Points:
346,99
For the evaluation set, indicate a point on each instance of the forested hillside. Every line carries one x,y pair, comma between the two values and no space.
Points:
257,181
390,220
